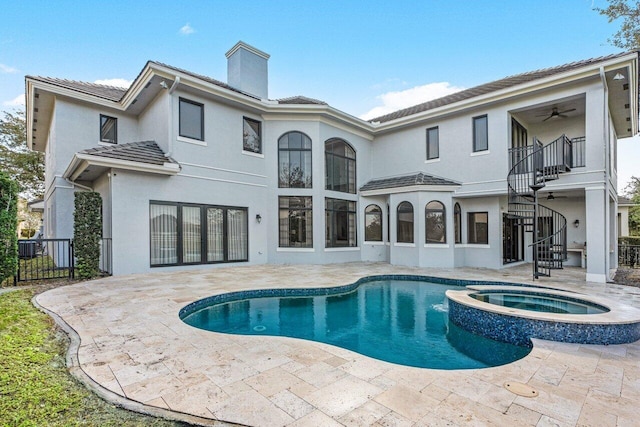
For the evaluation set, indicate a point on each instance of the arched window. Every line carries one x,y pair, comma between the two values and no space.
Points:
340,166
405,223
294,160
373,223
457,223
435,222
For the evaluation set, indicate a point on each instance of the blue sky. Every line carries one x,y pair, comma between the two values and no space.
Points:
357,56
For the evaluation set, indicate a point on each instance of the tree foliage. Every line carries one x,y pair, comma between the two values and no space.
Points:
632,190
24,166
628,36
87,231
8,226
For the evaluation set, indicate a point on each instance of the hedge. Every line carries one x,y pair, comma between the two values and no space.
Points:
8,227
87,232
629,240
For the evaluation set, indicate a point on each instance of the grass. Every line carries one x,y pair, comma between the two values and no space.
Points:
35,387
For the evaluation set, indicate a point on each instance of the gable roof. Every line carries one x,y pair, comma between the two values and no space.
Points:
494,86
410,180
142,152
300,100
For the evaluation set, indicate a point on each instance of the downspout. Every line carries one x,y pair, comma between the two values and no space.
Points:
172,89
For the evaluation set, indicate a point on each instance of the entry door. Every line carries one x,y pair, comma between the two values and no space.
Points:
512,242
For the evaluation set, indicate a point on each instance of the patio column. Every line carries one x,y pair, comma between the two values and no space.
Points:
596,226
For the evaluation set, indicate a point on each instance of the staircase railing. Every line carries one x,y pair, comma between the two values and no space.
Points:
529,174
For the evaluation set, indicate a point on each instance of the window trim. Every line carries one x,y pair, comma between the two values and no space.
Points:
259,152
457,223
331,242
203,233
310,150
199,104
115,129
475,119
435,128
373,205
413,222
351,162
310,209
428,210
469,214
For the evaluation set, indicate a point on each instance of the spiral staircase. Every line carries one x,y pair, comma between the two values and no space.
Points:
532,167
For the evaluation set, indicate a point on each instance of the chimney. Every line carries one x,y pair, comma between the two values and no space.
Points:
247,70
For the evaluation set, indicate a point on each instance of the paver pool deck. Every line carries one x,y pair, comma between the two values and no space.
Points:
133,343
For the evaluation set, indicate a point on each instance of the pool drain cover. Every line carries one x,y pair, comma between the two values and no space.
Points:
521,389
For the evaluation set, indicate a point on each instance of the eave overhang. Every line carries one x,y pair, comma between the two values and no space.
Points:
81,162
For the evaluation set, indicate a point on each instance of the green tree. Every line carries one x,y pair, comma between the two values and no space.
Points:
628,36
632,191
8,226
24,166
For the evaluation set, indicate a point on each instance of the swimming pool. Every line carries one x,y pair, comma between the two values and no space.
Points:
396,320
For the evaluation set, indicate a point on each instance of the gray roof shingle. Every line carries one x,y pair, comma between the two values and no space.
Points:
141,152
418,178
492,87
300,100
624,201
110,93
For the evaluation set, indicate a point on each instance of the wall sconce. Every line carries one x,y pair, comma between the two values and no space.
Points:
259,218
618,76
576,223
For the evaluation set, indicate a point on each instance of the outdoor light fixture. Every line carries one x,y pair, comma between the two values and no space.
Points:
259,218
576,223
618,76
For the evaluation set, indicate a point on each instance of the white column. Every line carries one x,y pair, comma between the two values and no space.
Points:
596,232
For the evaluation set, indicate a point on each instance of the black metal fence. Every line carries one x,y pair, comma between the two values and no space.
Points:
629,255
43,259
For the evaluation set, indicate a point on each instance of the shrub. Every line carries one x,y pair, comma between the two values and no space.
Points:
87,231
629,240
8,227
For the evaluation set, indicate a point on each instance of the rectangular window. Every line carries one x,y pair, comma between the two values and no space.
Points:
478,227
433,145
340,223
108,129
197,234
251,135
191,119
296,222
480,134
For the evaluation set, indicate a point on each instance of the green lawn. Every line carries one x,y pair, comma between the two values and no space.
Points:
35,386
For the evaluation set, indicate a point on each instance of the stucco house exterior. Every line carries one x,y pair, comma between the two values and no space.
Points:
196,172
624,204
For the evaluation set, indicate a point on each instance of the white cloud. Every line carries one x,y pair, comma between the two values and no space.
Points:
397,100
124,83
187,29
7,69
18,101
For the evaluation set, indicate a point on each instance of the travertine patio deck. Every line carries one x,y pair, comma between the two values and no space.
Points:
134,344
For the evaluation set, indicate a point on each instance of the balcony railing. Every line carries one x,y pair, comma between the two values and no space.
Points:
578,146
570,153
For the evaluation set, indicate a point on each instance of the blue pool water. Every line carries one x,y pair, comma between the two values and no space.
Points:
399,321
544,303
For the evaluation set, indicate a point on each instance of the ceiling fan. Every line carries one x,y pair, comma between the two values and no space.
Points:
550,196
555,113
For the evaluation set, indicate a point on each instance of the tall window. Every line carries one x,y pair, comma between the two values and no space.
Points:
433,144
340,164
191,119
294,160
296,222
373,223
480,134
478,227
340,218
405,223
197,234
251,135
108,129
457,223
435,223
